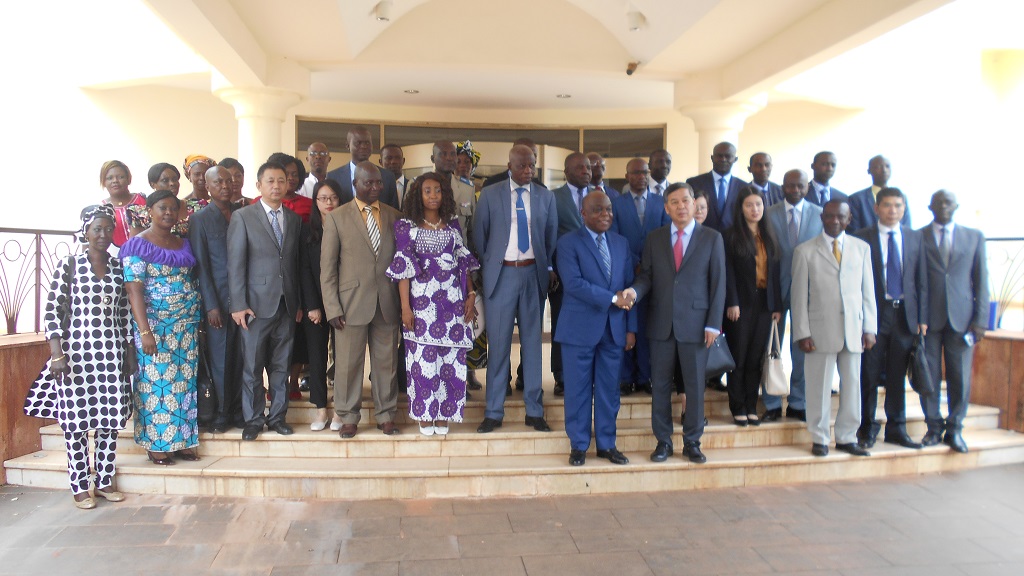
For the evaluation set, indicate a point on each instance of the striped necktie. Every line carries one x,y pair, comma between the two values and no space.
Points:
372,230
606,258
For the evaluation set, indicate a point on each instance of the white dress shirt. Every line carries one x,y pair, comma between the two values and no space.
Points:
512,250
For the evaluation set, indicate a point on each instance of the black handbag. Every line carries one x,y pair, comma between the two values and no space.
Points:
919,372
207,402
719,358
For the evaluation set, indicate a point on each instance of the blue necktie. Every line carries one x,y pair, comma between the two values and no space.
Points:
276,227
606,258
893,271
721,195
522,226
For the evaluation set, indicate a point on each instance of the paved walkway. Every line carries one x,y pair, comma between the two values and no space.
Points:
960,523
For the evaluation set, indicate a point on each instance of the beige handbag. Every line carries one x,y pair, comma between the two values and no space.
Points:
773,374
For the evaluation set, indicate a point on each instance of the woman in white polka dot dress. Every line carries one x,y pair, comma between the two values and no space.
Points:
85,384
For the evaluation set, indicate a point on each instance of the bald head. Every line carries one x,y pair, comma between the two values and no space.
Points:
368,182
318,157
218,184
444,157
880,170
522,163
794,186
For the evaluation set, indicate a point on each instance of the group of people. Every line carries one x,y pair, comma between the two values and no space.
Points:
641,284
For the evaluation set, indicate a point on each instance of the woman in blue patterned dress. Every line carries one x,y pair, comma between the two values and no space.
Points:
166,313
432,268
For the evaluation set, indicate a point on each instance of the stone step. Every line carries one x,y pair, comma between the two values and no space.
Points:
515,475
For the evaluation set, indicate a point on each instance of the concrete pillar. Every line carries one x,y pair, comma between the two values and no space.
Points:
717,121
260,113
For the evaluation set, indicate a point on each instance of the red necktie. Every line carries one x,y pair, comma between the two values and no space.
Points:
677,250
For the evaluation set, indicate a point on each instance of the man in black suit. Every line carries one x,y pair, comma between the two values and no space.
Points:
901,298
360,146
957,314
661,165
682,270
598,167
761,169
393,159
862,202
824,168
720,186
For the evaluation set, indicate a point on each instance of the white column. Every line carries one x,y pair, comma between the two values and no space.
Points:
260,113
717,121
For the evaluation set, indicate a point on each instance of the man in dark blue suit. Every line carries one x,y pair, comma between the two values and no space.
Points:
760,169
597,169
360,146
594,329
637,212
863,202
823,169
720,186
569,203
682,272
901,298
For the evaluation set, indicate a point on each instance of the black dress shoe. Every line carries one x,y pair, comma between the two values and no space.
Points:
869,442
613,456
955,441
819,450
559,389
519,383
471,382
852,449
661,452
304,384
488,425
538,423
625,388
796,413
693,454
931,438
220,427
508,390
577,457
738,422
773,415
645,387
251,432
903,440
281,428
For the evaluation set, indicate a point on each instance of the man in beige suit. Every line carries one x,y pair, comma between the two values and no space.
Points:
834,321
362,304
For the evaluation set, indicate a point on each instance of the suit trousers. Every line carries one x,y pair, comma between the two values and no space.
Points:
748,339
821,366
636,363
947,344
886,363
516,298
797,382
317,336
267,344
557,370
223,349
591,385
693,360
350,358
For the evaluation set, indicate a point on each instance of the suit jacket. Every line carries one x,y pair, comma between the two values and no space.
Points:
682,304
569,217
741,277
309,270
352,279
958,291
773,195
810,227
833,304
813,198
611,192
862,211
492,226
343,175
706,182
627,223
587,301
504,177
915,279
208,235
260,273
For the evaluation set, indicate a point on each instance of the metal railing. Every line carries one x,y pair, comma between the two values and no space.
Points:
27,261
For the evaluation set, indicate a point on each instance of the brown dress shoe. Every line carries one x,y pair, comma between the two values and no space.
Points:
348,430
388,428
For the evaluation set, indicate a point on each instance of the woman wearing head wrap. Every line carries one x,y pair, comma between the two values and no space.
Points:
85,385
166,312
195,166
115,178
466,161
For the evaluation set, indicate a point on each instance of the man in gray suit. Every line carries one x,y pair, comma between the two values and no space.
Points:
515,228
957,314
794,222
683,272
834,321
263,257
568,202
360,146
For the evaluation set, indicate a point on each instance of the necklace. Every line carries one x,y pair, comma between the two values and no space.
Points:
432,225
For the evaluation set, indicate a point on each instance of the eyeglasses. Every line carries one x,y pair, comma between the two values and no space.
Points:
320,154
331,199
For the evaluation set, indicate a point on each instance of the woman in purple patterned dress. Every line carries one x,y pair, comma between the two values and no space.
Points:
432,267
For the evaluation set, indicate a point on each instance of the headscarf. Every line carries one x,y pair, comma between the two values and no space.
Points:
467,149
198,158
91,213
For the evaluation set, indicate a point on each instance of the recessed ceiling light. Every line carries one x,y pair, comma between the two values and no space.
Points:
383,11
412,91
635,20
563,96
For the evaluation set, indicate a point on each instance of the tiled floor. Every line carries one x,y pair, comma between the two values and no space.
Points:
959,523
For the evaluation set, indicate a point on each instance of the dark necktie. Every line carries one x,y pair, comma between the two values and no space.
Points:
721,196
944,245
794,227
893,271
522,226
275,225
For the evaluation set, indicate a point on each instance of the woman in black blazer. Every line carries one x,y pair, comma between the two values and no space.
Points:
752,300
326,195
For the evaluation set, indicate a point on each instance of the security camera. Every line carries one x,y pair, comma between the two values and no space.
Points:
631,67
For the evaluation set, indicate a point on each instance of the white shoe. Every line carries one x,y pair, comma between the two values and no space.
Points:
336,424
320,421
441,430
427,430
